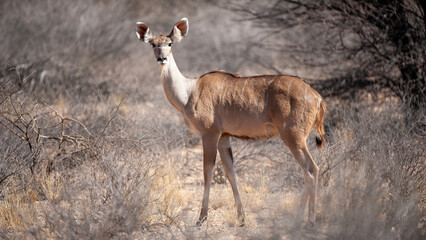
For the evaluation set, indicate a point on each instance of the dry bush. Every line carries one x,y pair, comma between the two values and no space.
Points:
376,191
122,194
117,188
81,171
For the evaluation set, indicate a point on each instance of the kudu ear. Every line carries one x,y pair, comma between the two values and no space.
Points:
143,32
180,29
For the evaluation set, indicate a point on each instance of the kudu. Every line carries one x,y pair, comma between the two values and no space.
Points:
219,105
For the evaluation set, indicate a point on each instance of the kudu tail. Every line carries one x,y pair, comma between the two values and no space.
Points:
319,125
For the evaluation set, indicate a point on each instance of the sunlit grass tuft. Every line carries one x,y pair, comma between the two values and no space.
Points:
168,196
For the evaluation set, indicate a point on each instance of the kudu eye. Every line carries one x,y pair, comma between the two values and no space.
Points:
170,44
153,45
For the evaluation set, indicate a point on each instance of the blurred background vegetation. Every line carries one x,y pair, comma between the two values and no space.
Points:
90,148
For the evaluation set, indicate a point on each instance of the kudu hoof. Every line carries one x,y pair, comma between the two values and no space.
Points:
200,222
241,222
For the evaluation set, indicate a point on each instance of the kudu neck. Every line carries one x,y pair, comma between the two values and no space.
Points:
176,86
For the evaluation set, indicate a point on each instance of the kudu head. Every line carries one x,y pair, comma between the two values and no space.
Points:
162,45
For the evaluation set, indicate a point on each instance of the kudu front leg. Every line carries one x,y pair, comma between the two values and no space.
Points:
225,152
209,151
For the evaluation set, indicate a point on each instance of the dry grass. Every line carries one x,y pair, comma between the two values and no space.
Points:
168,196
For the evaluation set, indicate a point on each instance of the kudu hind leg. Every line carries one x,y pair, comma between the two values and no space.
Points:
310,174
210,144
225,152
312,178
298,148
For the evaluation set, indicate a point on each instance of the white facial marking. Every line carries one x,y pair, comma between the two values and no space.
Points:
138,35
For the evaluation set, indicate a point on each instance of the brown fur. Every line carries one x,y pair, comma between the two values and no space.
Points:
225,101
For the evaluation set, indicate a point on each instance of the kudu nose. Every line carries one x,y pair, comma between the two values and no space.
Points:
162,60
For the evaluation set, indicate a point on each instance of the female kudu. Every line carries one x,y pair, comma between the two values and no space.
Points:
219,105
